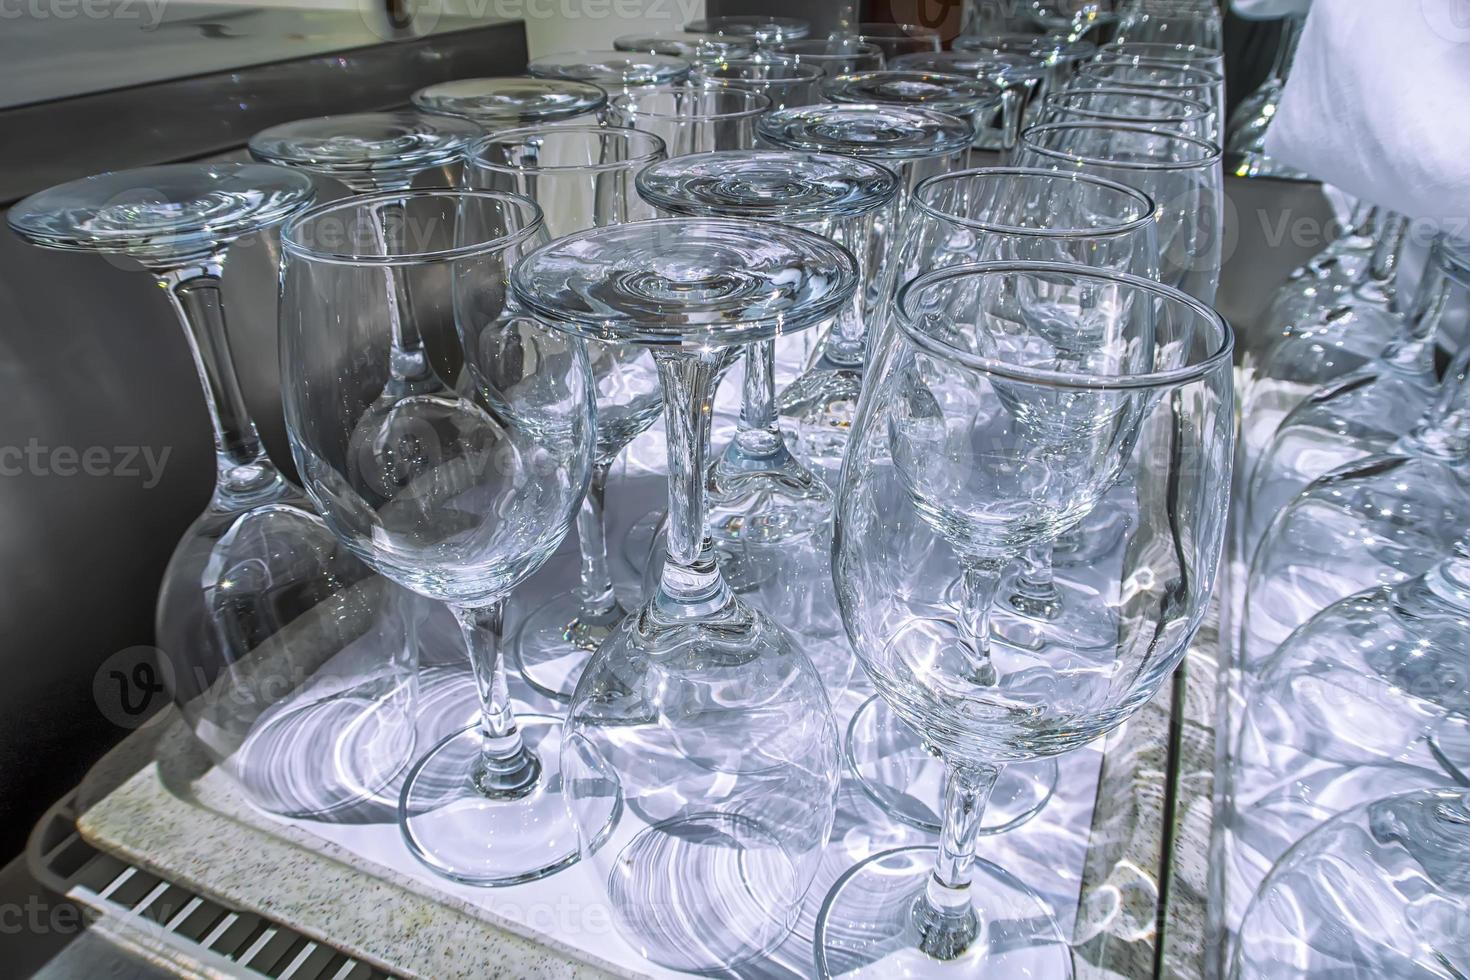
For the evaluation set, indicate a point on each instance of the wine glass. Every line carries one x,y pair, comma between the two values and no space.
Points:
1171,77
1179,24
1188,117
580,177
1018,75
767,32
458,495
699,715
835,55
899,39
761,497
785,82
366,151
1362,412
287,657
691,46
1058,56
1378,891
614,71
956,95
1181,174
1392,512
500,103
993,214
1073,20
913,141
692,118
988,427
1245,139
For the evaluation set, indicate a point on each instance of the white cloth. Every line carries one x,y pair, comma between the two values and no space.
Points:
1270,9
1375,104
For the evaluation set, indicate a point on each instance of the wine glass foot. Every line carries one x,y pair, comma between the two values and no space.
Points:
764,500
1073,618
555,641
821,404
906,781
462,834
868,926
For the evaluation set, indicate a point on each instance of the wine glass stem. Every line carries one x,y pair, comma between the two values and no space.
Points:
1035,585
758,435
691,584
980,582
408,363
596,593
944,916
1012,102
243,469
505,769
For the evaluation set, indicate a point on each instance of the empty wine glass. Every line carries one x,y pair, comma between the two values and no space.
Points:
1167,77
458,495
499,103
1181,174
1363,412
1113,105
692,118
766,31
581,177
1169,23
689,45
899,39
1391,512
287,656
758,492
698,715
912,141
995,214
1245,139
615,71
367,151
784,82
1059,57
1017,75
987,428
834,55
1073,20
957,95
1378,891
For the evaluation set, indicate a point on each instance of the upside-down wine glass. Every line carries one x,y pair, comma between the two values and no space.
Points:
758,492
785,82
500,103
899,39
1008,401
1151,22
766,32
912,141
458,495
286,659
691,46
1073,20
1167,77
614,71
699,715
958,95
1017,75
995,214
834,55
1188,117
581,177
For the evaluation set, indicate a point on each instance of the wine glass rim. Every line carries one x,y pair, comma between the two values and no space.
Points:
709,72
531,211
1207,76
756,104
654,150
1170,378
1212,151
861,48
1183,47
967,92
1197,109
1145,217
857,167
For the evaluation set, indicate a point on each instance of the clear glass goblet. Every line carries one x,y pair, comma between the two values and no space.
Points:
1172,113
1058,56
767,32
459,495
1073,20
614,71
1363,412
1181,174
987,429
692,118
761,497
1003,214
1377,891
289,660
899,39
1018,75
500,103
1191,25
692,46
1178,78
837,55
1245,135
581,177
958,95
699,715
784,81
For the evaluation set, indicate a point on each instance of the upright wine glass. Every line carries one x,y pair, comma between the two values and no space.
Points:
785,82
766,32
1245,135
1180,173
287,658
459,495
1175,24
1058,56
1073,20
1169,77
614,71
1378,891
759,493
1009,400
699,715
1171,113
995,214
581,177
912,141
500,103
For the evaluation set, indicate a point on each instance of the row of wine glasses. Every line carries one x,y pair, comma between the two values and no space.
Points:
1015,426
